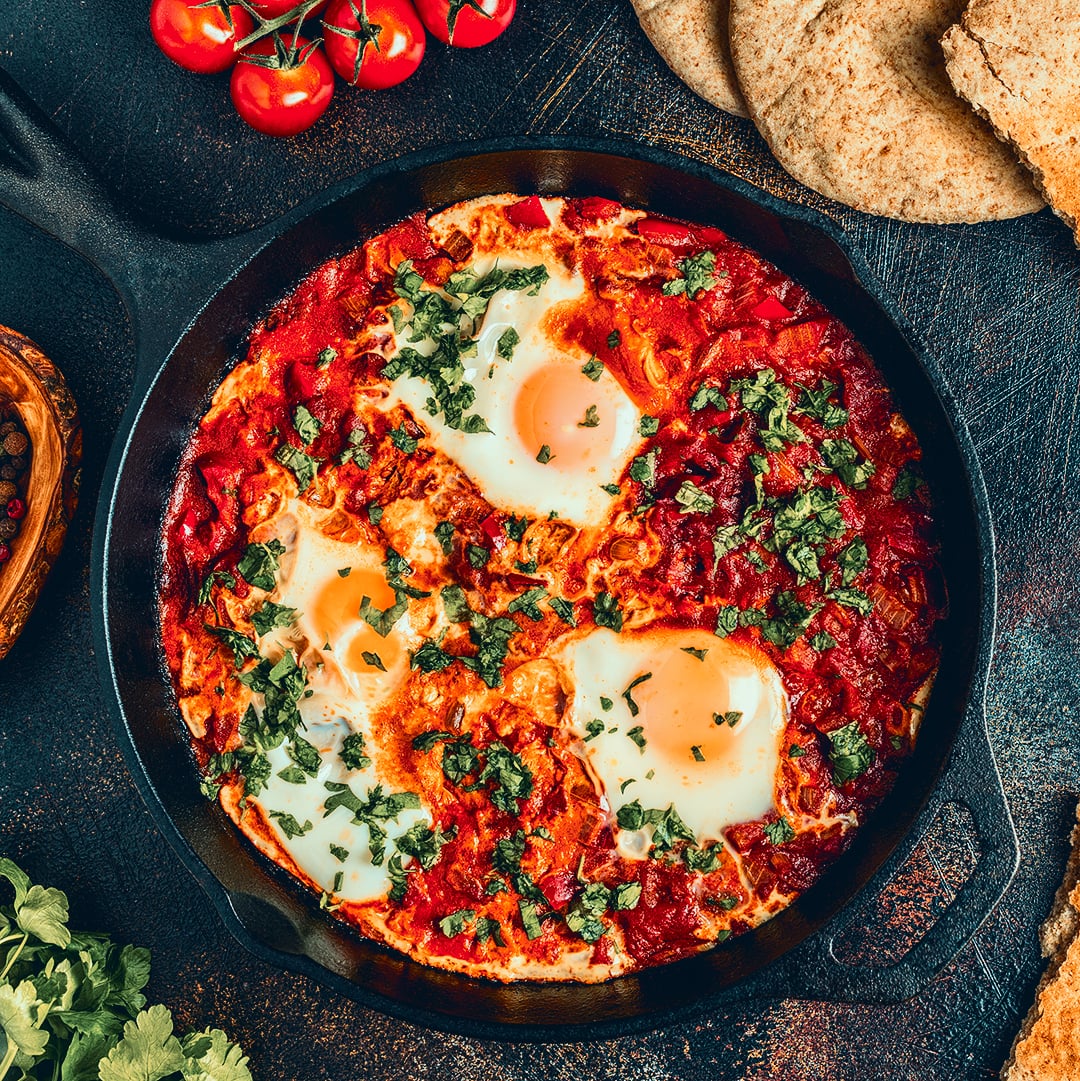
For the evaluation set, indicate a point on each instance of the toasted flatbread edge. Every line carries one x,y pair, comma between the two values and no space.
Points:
955,45
1057,933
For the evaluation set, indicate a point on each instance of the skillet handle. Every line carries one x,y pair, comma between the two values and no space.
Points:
162,281
971,778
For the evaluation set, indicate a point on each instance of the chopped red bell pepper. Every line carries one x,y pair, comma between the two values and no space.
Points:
771,308
528,214
664,231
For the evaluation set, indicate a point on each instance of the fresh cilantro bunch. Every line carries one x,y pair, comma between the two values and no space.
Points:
72,1007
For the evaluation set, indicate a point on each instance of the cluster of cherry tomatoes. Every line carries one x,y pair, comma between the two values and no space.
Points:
283,61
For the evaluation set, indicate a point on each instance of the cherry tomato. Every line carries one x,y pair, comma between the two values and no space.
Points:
198,38
282,84
466,23
374,43
273,9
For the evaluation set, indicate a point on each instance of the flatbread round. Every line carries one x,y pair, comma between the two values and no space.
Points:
692,38
853,99
1019,67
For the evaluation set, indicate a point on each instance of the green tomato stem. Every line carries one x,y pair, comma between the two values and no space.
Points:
271,26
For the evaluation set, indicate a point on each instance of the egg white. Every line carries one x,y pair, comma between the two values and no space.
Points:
678,706
345,694
501,462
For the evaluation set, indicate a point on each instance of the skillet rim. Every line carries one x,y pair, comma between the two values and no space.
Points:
264,239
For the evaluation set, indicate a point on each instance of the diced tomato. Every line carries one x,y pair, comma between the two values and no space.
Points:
558,888
770,308
528,214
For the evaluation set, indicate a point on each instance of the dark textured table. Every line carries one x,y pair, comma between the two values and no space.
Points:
998,304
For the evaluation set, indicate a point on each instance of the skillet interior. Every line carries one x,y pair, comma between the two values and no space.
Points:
278,917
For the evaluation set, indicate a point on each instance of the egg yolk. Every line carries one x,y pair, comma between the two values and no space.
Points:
336,618
578,420
694,710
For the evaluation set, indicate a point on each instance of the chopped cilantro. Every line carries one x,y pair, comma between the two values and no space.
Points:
816,404
302,466
444,534
843,459
289,825
242,647
593,369
696,752
489,929
614,340
907,483
850,754
478,556
795,751
401,439
224,577
594,728
563,609
606,612
698,275
631,704
692,500
779,832
271,616
699,653
592,418
515,527
259,563
528,603
454,924
643,469
727,620
307,426
729,717
543,455
352,751
611,489
339,853
529,919
326,357
374,513
648,425
637,735
606,704
508,340
356,450
707,394
374,660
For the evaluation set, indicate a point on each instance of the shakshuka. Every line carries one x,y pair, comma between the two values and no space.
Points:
551,589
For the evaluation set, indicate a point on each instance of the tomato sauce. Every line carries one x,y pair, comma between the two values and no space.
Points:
738,378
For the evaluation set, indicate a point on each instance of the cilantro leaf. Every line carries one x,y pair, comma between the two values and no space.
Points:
779,832
850,753
148,1050
307,426
593,369
209,1056
698,275
242,647
271,616
259,563
692,500
606,611
301,464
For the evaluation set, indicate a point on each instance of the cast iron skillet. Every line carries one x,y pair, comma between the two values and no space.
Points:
192,304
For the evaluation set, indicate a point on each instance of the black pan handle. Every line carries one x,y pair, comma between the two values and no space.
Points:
971,779
163,281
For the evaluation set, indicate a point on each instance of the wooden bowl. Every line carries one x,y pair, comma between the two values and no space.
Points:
32,383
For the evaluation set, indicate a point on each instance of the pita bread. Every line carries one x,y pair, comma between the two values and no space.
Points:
692,38
1019,66
853,99
1047,1047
